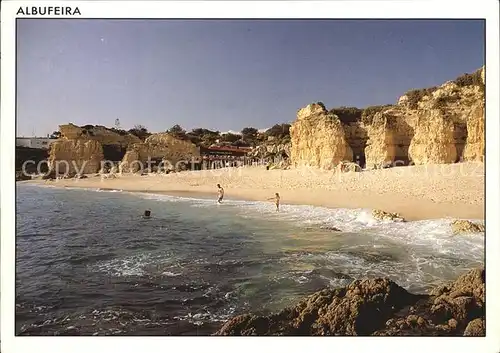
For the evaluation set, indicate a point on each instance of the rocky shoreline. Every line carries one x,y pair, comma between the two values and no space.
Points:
376,307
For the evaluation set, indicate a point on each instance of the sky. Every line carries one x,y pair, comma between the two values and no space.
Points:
226,74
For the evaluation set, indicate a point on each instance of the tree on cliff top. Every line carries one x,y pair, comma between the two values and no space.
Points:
473,79
178,132
278,131
347,114
321,104
241,143
140,131
203,137
250,134
231,138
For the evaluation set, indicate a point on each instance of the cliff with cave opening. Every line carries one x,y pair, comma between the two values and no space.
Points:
83,149
435,125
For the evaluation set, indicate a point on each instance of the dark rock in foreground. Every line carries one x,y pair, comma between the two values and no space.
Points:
377,307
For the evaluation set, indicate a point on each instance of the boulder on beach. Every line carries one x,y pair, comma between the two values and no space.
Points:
377,307
463,226
387,216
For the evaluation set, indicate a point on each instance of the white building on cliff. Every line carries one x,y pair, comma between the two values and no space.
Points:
42,143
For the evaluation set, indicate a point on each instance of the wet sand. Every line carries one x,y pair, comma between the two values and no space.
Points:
416,192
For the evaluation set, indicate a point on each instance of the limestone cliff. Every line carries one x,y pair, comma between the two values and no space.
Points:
381,146
114,142
444,118
474,148
162,146
318,139
442,124
475,145
75,156
356,135
434,141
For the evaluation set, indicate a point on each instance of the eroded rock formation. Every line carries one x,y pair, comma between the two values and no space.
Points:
381,146
89,146
75,156
162,146
376,307
82,149
442,124
474,146
356,135
318,139
434,141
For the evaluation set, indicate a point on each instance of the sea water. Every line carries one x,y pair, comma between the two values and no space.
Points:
87,263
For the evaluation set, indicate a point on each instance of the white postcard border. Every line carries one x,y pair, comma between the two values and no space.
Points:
250,9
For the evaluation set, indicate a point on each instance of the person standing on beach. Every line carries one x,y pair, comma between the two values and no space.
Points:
220,193
276,199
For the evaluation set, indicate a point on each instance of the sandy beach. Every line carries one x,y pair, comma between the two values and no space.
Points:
416,192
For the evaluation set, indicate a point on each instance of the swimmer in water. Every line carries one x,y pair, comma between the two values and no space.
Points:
276,199
220,193
147,214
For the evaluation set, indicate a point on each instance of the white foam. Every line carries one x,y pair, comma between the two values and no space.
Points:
348,220
427,249
135,265
434,235
171,274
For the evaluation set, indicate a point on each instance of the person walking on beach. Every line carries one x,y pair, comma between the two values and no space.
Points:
220,193
276,199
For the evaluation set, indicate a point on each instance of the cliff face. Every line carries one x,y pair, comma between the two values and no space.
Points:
85,147
442,124
381,146
75,156
356,135
474,147
114,143
434,141
318,139
159,146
